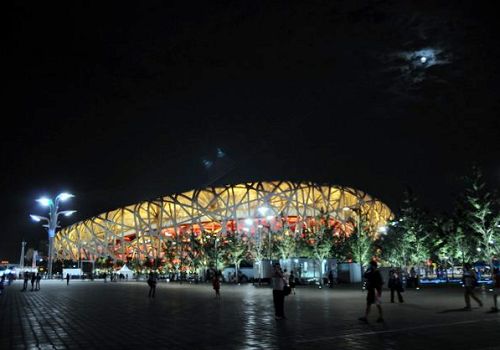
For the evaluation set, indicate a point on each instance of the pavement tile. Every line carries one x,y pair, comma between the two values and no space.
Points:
96,315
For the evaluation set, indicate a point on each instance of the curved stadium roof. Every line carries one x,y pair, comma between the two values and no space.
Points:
212,209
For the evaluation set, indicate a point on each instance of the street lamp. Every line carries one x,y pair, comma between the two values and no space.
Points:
216,257
52,221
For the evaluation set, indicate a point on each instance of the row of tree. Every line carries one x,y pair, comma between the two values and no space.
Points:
471,233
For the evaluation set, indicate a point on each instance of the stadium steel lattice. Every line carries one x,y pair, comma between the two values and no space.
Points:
147,229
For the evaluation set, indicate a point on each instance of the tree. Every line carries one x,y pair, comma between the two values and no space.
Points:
408,241
286,243
413,224
395,249
360,243
236,250
194,251
318,240
257,249
481,217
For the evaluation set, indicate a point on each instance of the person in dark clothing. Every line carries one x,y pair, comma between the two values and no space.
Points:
291,282
374,284
2,282
216,286
396,285
25,284
33,279
37,282
330,279
152,284
469,280
496,289
67,279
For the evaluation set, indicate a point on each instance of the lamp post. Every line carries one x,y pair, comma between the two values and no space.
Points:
216,256
52,221
21,260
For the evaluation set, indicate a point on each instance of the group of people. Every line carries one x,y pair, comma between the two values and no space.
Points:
470,282
35,281
374,283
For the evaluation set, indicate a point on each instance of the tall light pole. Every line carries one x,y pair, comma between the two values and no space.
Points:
21,260
52,221
216,257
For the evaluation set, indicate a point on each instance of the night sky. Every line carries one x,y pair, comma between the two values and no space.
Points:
121,104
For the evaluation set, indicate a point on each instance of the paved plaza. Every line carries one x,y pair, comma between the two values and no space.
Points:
112,315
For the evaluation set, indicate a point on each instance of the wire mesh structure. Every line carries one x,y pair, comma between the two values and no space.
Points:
148,229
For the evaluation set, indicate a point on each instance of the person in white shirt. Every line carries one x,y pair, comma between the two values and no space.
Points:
278,284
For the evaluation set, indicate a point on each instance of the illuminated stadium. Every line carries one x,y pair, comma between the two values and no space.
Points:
174,227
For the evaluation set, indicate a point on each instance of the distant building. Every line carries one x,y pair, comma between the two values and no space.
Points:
151,228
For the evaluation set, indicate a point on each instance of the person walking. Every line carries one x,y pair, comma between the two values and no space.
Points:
152,284
33,279
67,279
37,282
216,285
396,285
2,282
374,284
330,279
291,282
496,288
469,279
278,295
25,284
412,281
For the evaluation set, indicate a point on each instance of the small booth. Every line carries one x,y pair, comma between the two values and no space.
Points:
128,273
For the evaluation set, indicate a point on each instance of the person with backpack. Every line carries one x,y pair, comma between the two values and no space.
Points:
469,279
374,284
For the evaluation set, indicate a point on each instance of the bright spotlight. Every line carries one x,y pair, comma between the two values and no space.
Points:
64,196
35,218
44,201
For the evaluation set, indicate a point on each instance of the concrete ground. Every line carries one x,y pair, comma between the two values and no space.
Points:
98,315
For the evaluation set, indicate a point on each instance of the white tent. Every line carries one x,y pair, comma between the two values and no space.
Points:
126,272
